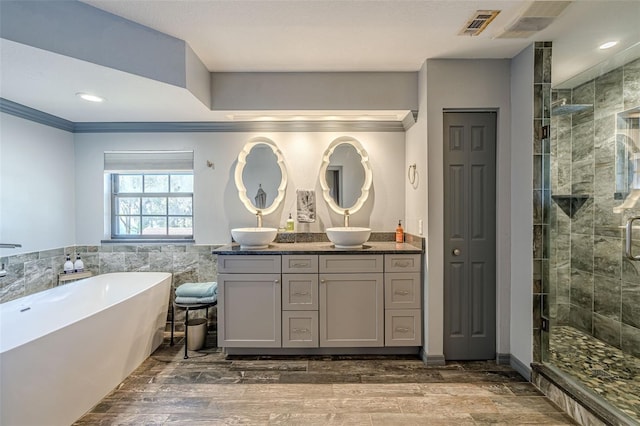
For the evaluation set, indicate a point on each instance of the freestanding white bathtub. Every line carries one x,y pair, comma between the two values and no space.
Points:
64,349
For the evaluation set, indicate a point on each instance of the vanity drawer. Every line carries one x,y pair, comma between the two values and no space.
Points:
402,290
351,263
300,263
403,327
251,264
402,263
300,329
299,292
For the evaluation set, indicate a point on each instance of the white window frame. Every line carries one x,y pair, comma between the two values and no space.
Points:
145,163
116,194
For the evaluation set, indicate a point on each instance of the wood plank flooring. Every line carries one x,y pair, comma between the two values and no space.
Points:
208,389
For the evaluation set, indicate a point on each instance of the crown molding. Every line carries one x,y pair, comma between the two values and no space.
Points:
28,113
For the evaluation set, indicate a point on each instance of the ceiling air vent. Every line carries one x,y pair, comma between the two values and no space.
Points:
536,18
478,22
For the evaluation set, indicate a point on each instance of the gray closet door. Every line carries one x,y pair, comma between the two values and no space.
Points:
469,235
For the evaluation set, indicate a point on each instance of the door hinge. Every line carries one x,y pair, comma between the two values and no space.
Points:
545,133
545,324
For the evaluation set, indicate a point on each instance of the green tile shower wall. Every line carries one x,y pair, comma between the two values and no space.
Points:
34,272
593,287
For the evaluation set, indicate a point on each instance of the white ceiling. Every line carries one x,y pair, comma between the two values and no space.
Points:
322,35
301,35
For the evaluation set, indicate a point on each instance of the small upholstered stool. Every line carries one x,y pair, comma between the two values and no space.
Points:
187,307
193,296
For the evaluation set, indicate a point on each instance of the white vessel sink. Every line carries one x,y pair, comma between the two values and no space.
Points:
348,237
254,238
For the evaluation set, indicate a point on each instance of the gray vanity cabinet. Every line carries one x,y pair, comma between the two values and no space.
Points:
249,302
402,284
351,300
313,302
300,301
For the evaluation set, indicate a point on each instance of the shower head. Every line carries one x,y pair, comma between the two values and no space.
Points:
561,107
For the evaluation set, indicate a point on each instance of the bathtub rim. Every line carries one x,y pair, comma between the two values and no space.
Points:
17,343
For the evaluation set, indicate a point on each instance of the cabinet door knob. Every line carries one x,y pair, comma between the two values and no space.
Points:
276,281
456,252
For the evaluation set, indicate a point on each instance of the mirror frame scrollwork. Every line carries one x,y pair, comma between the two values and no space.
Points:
368,176
242,162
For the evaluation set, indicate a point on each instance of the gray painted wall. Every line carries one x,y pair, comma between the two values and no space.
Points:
37,180
75,29
315,91
521,224
467,84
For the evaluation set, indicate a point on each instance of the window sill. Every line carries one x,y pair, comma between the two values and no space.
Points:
150,241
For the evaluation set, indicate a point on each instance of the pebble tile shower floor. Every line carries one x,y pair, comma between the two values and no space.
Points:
605,370
209,389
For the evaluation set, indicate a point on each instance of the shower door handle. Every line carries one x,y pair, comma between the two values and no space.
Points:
629,238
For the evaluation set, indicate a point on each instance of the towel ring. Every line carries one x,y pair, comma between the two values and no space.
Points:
411,174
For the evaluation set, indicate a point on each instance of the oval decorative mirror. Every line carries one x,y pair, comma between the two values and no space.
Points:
345,175
261,176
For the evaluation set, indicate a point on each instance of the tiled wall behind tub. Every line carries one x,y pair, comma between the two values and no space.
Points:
30,273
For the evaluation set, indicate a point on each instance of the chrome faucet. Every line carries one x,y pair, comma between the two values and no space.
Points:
259,218
346,218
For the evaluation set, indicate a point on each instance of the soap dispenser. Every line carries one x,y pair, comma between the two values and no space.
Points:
78,264
399,233
290,224
68,265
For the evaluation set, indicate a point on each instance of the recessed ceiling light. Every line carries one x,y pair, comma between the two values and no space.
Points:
89,97
608,45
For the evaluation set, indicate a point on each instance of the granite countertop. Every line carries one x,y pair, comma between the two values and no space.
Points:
322,247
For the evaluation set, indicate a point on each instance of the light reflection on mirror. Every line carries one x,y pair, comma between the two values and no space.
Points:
345,175
260,176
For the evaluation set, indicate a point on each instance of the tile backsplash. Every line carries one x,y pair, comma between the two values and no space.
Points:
34,272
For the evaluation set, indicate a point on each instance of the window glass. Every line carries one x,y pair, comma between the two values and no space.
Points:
129,183
152,205
154,225
128,205
156,183
128,225
180,225
181,183
180,206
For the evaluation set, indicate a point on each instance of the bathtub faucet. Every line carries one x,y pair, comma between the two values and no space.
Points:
2,245
259,218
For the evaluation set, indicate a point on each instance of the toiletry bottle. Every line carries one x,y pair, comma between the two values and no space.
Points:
68,265
78,264
399,233
290,224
